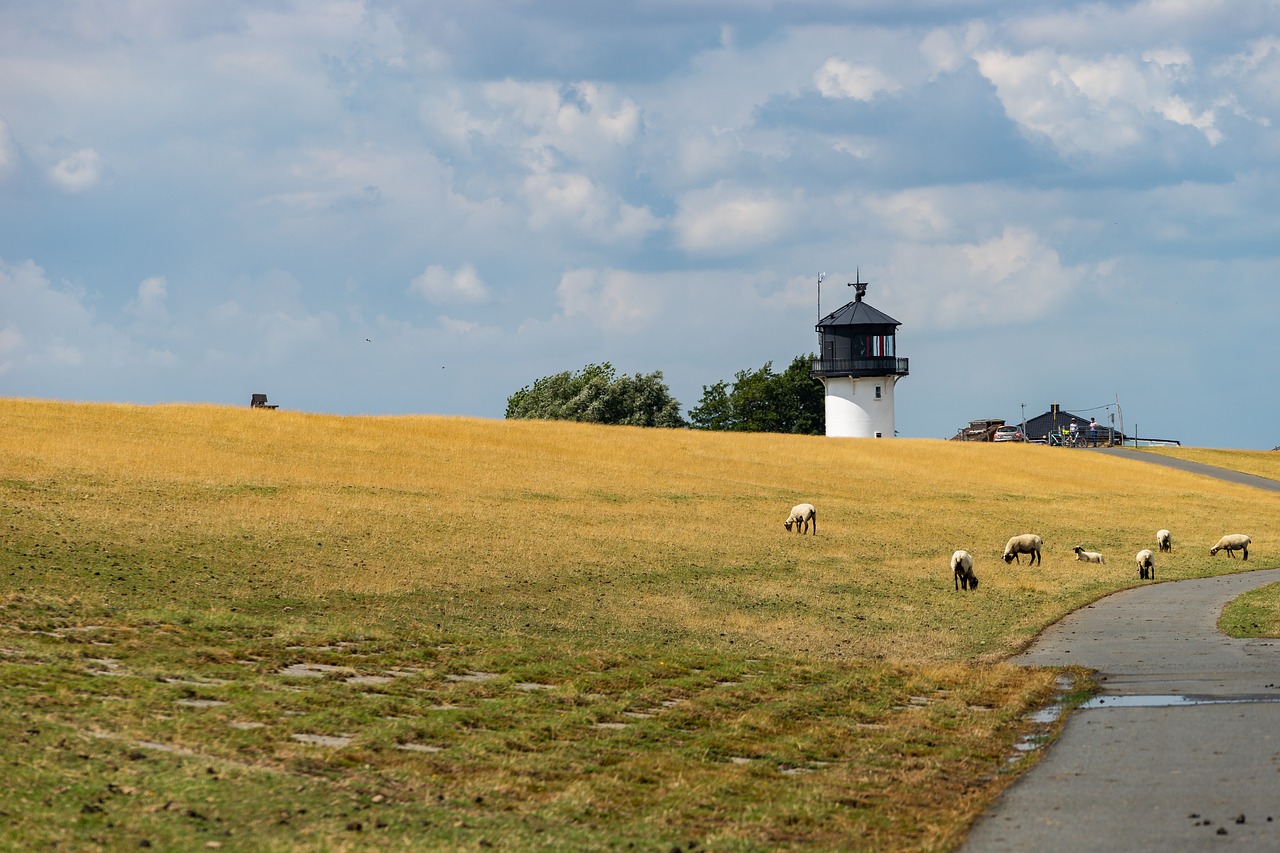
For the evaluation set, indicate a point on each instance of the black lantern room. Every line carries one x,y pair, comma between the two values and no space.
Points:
858,340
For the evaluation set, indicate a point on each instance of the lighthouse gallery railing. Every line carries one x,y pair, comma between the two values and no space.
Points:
858,367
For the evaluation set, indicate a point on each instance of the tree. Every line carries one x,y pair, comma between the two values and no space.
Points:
596,395
764,401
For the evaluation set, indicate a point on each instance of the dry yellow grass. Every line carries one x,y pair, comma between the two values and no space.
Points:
588,530
625,567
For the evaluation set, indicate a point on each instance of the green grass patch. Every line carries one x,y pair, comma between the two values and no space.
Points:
1254,614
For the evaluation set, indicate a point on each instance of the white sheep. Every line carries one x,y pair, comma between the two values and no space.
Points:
1146,564
801,515
1231,543
1027,543
1165,540
1088,556
962,567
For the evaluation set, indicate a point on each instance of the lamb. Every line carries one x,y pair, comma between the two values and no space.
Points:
1165,540
1231,543
962,566
1027,543
1088,556
1146,564
801,515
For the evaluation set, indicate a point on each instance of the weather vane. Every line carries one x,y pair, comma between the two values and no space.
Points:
860,286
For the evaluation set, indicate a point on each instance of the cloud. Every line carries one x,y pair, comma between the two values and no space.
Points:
78,172
148,308
47,327
8,152
941,51
576,202
578,122
838,79
1094,106
726,219
610,299
915,213
245,337
1013,279
436,284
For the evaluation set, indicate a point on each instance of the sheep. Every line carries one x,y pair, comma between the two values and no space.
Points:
1231,543
1146,564
801,515
1088,556
962,566
1165,540
1027,543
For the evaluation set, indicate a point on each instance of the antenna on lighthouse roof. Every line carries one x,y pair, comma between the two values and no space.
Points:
860,286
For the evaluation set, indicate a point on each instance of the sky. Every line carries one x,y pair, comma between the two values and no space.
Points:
380,207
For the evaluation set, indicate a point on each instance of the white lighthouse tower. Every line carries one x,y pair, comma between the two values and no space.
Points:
858,366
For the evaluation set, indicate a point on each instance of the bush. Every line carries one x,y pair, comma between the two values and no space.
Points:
596,395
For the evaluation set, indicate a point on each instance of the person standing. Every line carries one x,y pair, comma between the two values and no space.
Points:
1093,431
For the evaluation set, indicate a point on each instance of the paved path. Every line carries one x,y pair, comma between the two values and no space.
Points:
1188,731
1181,751
1194,468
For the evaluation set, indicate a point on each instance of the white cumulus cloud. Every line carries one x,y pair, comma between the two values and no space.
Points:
610,299
1094,105
725,219
839,79
576,202
149,308
1012,279
437,284
78,172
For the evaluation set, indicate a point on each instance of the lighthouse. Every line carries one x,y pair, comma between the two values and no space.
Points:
858,366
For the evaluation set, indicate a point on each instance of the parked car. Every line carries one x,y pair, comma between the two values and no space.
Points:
1008,433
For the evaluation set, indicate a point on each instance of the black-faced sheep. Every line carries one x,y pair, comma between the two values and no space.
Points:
1088,556
1027,543
1146,564
962,567
801,515
1231,543
1164,539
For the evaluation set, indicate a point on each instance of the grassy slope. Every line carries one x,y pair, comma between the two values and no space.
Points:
664,663
1256,613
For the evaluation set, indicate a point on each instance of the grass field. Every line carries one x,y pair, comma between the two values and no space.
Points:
267,630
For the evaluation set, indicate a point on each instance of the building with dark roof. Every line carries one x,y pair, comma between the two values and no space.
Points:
1053,422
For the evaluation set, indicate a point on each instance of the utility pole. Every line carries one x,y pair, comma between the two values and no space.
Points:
821,276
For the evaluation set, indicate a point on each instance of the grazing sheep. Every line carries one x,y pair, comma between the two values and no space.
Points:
801,515
1165,540
1231,543
962,566
1027,543
1146,564
1088,556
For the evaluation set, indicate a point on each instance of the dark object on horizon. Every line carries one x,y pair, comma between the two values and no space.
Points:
259,401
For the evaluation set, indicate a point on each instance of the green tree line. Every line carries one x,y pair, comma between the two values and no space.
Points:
754,401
